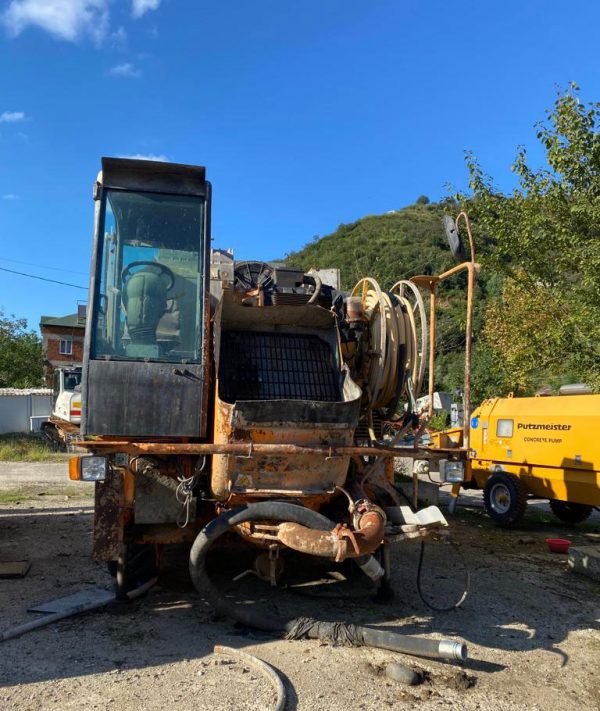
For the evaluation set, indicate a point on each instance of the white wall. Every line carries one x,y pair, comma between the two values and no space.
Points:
16,412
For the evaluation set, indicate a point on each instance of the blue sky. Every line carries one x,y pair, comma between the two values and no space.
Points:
307,114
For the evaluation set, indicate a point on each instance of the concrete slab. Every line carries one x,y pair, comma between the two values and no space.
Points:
585,560
76,601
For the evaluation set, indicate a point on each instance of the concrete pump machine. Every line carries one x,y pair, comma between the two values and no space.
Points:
221,396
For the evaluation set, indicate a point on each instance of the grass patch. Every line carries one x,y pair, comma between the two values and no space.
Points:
21,495
19,447
13,497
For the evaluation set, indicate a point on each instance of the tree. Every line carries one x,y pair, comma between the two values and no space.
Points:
20,354
545,238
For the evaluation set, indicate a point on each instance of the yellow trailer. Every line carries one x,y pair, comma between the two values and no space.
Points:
543,447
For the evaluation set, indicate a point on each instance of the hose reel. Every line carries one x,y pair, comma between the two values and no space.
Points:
398,342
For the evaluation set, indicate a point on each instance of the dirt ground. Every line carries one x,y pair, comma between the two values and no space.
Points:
531,626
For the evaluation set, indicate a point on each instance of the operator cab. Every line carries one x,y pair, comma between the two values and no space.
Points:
148,301
65,380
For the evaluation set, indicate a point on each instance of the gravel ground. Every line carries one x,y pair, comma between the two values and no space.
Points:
531,626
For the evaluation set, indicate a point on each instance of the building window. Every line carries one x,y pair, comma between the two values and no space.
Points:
66,346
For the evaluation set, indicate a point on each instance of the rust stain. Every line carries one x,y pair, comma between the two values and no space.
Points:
107,506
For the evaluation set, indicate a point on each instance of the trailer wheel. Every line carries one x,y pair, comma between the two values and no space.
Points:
569,512
505,498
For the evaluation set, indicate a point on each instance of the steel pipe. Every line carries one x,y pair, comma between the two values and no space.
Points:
340,543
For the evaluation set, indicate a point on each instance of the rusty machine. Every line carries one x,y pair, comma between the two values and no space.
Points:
222,396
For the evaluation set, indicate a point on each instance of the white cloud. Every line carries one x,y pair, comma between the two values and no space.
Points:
10,196
125,70
66,19
118,37
12,116
141,7
161,158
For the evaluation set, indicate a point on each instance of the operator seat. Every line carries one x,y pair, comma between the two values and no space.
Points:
145,302
168,330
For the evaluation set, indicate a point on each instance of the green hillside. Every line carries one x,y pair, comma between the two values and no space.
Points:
399,245
388,247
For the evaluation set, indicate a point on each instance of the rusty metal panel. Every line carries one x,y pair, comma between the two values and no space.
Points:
254,474
106,516
131,398
155,500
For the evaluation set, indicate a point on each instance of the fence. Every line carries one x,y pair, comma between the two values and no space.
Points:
24,410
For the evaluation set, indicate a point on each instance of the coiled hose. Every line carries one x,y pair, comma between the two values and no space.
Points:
399,340
300,627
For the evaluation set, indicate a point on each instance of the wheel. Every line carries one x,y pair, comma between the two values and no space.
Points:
569,512
135,566
505,498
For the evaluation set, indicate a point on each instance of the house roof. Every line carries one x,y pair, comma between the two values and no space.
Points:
70,321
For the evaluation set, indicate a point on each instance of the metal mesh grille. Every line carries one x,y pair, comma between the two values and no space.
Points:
274,366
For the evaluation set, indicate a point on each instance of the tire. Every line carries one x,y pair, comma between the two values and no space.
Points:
505,499
569,512
140,566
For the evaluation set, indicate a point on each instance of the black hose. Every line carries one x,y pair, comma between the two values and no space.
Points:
261,511
301,627
467,586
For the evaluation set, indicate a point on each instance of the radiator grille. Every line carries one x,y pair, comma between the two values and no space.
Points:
275,366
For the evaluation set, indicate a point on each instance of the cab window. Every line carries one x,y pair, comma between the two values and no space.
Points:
504,428
149,305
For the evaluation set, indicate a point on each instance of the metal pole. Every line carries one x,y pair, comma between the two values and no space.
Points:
432,308
468,341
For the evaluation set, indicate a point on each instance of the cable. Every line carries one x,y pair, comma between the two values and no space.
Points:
185,491
466,589
467,586
53,281
42,266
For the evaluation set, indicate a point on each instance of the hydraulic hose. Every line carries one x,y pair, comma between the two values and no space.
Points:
315,279
401,289
301,627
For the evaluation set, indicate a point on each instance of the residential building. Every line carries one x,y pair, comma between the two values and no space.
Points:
62,338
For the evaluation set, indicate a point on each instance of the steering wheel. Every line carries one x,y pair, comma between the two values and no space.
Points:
162,270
